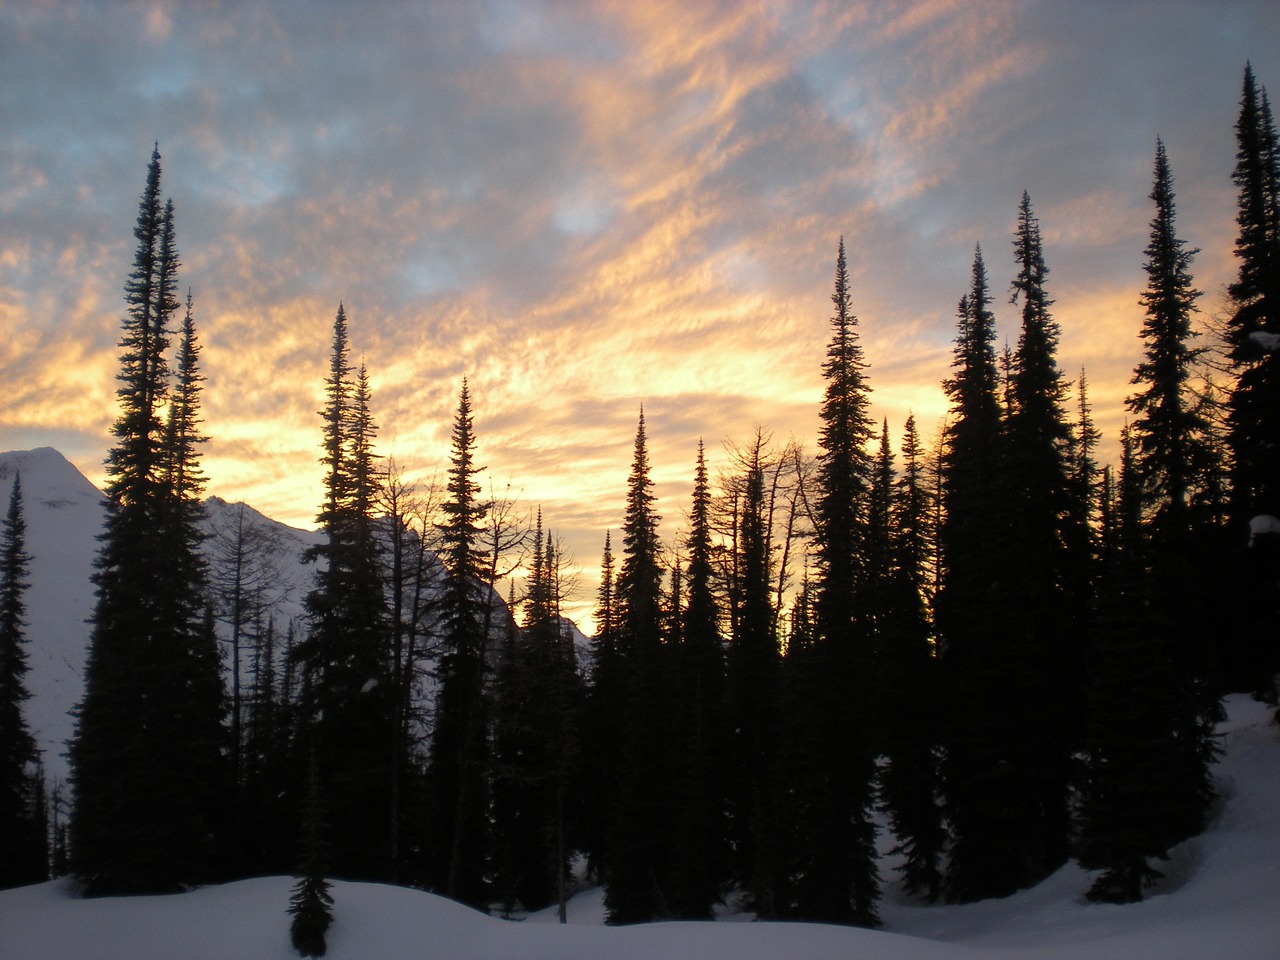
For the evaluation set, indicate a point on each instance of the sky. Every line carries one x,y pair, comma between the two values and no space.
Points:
586,208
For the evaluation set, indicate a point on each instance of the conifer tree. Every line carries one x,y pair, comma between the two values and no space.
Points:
754,703
699,827
833,750
311,903
1148,783
1253,406
637,864
348,702
602,721
534,743
147,754
459,763
23,847
909,778
1130,782
1041,661
977,794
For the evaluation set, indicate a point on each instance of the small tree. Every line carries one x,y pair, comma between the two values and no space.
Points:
311,904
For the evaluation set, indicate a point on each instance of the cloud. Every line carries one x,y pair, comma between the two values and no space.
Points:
584,207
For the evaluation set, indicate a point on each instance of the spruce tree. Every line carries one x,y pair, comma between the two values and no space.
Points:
147,754
699,828
602,726
1131,788
536,712
638,864
909,776
1148,784
348,702
23,847
978,796
458,770
754,690
1253,406
833,748
311,903
1041,659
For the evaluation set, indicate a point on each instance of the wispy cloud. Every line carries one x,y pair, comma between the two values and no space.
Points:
586,207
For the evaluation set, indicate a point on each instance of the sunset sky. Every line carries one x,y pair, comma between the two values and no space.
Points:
585,207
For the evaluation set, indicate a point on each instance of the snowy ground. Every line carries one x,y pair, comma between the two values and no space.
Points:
1221,901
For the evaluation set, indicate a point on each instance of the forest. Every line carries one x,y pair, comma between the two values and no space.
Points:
1010,653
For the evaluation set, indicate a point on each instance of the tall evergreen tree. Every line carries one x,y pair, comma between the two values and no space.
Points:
637,865
978,796
834,749
348,702
1041,656
147,754
1253,406
1148,783
699,828
459,745
23,847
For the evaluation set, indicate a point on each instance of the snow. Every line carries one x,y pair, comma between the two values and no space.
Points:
65,514
1221,900
1269,342
1262,525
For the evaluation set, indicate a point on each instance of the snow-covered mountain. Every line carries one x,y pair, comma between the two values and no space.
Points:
64,514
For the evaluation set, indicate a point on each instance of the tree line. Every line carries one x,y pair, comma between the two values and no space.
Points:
1011,651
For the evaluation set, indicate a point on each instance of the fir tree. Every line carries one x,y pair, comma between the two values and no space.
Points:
754,695
1130,783
699,829
637,881
602,726
147,754
1253,420
311,904
348,701
1040,658
832,767
978,797
909,775
459,762
1148,784
23,848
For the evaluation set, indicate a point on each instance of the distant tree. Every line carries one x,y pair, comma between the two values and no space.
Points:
23,847
458,770
147,754
536,712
